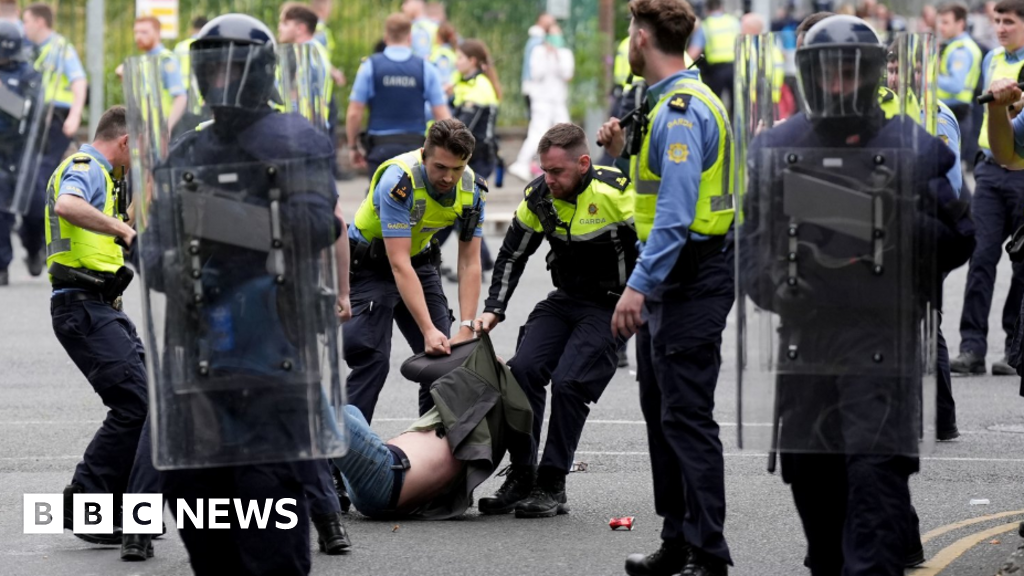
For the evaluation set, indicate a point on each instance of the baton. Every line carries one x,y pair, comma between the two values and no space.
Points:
988,96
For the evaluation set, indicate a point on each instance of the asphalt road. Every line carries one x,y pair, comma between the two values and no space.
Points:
48,413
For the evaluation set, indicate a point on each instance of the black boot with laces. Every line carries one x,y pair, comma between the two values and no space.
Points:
519,480
667,561
547,498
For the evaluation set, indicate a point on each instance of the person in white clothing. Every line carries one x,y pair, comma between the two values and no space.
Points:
551,69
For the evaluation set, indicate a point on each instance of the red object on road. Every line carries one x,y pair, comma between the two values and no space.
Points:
624,522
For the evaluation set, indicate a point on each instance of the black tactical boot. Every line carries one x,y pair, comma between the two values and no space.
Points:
136,547
35,263
339,486
69,505
519,479
547,498
331,535
667,561
701,564
4,278
967,363
1003,368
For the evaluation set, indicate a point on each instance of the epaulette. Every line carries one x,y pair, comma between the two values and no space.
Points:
538,184
401,190
481,183
84,159
612,177
679,102
887,95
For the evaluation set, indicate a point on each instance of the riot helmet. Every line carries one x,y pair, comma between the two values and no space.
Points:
840,67
234,63
10,41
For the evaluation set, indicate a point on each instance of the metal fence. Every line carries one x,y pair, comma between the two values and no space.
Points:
357,26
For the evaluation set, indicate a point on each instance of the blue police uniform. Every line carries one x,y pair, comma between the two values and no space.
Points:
855,506
688,282
397,86
376,301
948,132
273,550
997,210
17,77
103,343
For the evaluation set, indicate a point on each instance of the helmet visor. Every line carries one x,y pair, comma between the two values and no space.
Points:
840,81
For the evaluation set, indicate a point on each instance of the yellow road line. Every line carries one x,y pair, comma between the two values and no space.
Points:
932,534
947,555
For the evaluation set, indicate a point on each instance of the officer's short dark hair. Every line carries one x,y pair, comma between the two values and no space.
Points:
958,10
295,12
670,23
810,21
713,5
199,22
397,27
453,136
568,137
1014,6
113,124
40,10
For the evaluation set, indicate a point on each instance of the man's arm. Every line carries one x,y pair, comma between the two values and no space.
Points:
1000,132
696,43
177,110
342,260
80,213
521,240
469,285
960,62
74,119
433,91
353,122
409,286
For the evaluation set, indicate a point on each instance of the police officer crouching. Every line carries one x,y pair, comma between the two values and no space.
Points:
586,214
844,293
395,259
84,239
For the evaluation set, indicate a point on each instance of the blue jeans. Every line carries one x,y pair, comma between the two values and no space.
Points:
366,467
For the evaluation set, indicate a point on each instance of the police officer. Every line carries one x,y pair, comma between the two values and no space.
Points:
850,415
424,29
173,97
683,211
181,50
20,78
586,214
996,209
244,437
716,39
394,259
297,26
959,63
396,85
88,276
65,90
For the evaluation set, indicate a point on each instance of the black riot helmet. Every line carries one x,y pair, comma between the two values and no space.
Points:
234,63
10,41
840,67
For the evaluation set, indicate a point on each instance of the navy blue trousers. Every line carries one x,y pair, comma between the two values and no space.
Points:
568,343
366,343
678,360
103,343
997,211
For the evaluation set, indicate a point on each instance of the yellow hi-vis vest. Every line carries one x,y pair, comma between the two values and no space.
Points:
998,68
720,31
183,51
50,63
476,90
715,205
428,215
70,245
973,75
443,57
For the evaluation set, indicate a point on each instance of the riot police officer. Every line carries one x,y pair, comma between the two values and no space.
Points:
19,132
586,214
680,293
395,259
398,87
240,219
83,251
845,291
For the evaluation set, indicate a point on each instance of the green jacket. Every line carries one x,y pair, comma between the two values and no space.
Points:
477,406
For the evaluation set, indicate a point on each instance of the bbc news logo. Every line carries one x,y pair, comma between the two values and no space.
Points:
143,513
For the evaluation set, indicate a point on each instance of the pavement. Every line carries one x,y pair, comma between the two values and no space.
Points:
48,413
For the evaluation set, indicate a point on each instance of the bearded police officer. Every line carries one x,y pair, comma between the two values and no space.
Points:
849,221
395,259
240,219
681,291
398,87
83,250
586,214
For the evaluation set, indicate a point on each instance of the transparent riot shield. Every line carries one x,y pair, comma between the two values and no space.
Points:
25,118
238,271
836,276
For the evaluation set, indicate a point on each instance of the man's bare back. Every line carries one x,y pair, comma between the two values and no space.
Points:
432,467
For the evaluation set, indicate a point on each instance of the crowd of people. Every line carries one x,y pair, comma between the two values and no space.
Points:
233,140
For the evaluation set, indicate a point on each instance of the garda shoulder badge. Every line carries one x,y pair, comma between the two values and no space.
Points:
400,191
480,183
679,102
613,178
592,209
944,138
678,153
80,164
